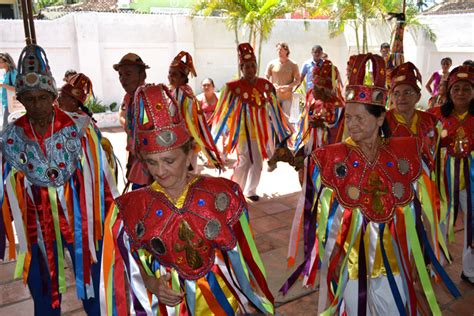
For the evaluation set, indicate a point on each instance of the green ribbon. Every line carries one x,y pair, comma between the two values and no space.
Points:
59,243
419,261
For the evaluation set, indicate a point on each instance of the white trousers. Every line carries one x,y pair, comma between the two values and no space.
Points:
246,173
380,300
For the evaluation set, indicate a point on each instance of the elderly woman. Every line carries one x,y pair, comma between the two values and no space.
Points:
8,83
455,164
180,68
184,241
405,120
366,241
58,187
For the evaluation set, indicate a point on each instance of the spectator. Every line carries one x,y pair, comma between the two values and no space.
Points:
307,68
8,83
284,75
208,98
439,76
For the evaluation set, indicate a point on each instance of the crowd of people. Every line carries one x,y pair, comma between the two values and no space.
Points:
383,184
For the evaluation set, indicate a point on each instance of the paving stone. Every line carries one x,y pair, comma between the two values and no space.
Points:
273,207
13,292
266,224
6,271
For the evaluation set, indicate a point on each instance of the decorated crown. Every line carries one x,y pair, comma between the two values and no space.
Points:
34,72
360,92
130,59
246,53
326,75
79,87
158,125
460,73
186,66
406,73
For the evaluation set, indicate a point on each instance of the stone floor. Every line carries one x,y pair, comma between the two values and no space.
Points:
271,220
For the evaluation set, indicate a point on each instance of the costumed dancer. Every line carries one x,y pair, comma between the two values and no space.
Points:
57,191
7,85
249,109
184,242
455,167
132,74
404,119
73,98
396,55
363,222
191,110
321,124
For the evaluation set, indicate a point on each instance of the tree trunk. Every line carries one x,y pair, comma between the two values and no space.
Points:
236,33
365,46
356,27
259,52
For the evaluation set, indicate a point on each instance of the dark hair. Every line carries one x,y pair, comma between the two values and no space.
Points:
384,45
446,59
377,110
285,47
210,80
70,72
8,60
315,47
188,146
468,62
448,107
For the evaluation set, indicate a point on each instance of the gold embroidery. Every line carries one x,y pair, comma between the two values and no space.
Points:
376,191
186,234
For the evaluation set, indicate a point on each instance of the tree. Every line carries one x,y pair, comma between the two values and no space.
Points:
359,13
258,15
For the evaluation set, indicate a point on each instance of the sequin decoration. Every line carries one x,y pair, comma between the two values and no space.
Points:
340,169
158,246
201,202
166,138
22,158
212,229
353,192
403,166
139,229
222,201
159,212
398,190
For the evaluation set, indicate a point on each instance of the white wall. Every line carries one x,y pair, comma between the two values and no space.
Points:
93,42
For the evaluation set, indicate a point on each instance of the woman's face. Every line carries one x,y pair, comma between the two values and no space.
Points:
361,125
68,103
461,93
176,78
3,64
169,169
445,65
38,103
405,98
207,86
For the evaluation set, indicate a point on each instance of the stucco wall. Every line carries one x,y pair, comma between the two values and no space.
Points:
93,42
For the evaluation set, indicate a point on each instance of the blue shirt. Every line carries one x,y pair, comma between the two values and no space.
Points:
9,79
307,71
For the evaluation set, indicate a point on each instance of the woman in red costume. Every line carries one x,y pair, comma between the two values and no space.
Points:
404,119
363,229
184,241
455,168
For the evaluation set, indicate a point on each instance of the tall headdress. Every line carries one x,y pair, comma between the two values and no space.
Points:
461,73
246,53
368,93
79,87
158,125
130,59
34,72
326,75
406,73
184,63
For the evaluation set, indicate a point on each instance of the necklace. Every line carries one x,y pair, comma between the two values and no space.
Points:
52,173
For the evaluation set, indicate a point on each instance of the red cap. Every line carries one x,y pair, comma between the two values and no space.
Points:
159,125
246,53
461,73
359,92
79,87
406,73
186,66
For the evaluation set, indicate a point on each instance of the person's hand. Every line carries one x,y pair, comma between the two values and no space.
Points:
159,287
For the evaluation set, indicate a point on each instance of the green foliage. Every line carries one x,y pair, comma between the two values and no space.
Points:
41,4
95,106
113,106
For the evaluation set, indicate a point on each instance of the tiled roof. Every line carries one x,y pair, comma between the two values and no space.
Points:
451,7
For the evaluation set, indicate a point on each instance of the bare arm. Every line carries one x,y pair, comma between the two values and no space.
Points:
122,118
428,84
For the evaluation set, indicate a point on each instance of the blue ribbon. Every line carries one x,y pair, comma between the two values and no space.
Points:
219,294
78,242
